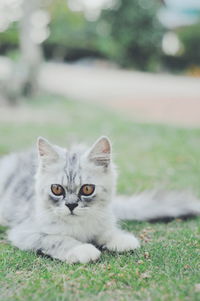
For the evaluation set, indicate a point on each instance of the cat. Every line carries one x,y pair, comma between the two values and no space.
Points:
62,202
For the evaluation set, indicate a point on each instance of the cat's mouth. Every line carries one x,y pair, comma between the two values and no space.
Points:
78,212
72,213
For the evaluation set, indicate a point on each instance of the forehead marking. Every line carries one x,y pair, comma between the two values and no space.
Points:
72,169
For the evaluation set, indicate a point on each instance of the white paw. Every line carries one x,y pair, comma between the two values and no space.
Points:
122,242
83,254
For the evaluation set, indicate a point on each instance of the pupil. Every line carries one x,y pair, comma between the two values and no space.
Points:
57,190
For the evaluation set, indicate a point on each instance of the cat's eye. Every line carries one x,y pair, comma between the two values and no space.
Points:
87,189
57,189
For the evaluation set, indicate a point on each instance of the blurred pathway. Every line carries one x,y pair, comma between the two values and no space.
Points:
143,96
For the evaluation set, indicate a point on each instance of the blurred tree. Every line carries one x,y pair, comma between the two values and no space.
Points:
30,49
33,31
190,39
127,32
189,55
132,34
72,36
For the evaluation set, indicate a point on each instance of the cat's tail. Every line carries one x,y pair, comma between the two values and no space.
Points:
152,205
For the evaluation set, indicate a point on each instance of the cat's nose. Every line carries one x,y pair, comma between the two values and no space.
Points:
71,206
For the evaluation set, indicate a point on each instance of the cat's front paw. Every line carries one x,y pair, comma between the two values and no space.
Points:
83,254
122,242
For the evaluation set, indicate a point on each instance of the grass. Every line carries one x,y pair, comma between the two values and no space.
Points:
167,267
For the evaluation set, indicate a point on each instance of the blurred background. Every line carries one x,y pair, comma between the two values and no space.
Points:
119,53
72,70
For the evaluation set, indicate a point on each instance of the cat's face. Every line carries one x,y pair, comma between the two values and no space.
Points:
75,183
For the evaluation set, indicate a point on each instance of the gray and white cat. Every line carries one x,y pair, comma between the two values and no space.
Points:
63,202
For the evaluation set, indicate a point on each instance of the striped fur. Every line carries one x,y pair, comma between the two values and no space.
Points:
39,220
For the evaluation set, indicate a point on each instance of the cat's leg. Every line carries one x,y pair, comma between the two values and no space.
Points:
118,240
60,247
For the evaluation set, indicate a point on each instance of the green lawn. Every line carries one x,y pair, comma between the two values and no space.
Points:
167,267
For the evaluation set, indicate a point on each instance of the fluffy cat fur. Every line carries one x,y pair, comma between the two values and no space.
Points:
39,220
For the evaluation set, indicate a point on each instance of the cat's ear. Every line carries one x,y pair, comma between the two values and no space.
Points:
46,150
100,152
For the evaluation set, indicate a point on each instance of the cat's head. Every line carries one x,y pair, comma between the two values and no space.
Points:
72,183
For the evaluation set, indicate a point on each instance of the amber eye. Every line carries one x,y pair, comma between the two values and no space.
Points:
87,189
57,189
